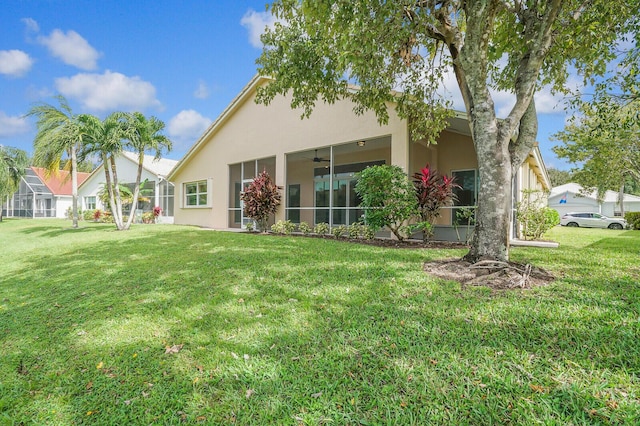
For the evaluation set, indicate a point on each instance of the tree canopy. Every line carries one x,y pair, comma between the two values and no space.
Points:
399,52
13,162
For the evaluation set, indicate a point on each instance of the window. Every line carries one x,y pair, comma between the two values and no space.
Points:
90,203
195,194
466,195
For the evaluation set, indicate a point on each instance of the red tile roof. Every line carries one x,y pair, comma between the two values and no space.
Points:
59,183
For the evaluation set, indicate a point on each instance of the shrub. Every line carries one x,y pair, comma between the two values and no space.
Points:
534,219
339,231
157,211
261,198
434,191
107,217
355,230
633,219
88,214
284,227
249,226
368,233
148,217
97,214
304,228
388,198
321,228
69,214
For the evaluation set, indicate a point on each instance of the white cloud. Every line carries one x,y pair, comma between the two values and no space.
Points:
71,48
14,63
31,24
187,125
12,126
202,92
108,91
255,23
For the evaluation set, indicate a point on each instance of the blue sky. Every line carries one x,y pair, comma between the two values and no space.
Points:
181,61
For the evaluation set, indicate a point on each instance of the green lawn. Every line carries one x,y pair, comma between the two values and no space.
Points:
291,330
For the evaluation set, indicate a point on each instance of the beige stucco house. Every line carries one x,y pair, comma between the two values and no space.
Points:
315,161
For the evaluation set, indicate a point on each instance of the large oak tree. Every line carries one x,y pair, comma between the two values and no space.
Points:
400,51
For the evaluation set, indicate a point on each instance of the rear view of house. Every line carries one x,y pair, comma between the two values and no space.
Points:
316,161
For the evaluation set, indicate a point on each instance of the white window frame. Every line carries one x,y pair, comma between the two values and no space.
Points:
87,202
198,194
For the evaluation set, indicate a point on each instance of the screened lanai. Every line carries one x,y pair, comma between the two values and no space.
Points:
32,199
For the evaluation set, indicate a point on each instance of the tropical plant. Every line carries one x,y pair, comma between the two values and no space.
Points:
533,216
321,228
339,231
400,52
434,191
284,227
59,134
13,162
105,139
388,198
633,219
144,134
304,228
261,198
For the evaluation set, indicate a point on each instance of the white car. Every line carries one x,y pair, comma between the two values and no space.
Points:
592,220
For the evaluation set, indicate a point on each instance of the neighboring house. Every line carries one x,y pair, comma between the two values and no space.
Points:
41,194
569,198
315,161
156,190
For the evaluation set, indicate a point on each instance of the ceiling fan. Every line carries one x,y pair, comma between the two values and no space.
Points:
317,159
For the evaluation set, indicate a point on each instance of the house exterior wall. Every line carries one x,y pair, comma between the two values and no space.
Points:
247,132
127,172
255,131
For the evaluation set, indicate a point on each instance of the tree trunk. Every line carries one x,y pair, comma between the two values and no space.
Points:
74,186
117,214
490,238
621,200
136,192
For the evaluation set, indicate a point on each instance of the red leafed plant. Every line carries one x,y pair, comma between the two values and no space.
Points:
157,211
261,198
434,191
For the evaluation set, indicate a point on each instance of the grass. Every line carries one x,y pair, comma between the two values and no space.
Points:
289,330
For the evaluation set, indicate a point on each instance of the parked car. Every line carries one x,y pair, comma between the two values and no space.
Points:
592,220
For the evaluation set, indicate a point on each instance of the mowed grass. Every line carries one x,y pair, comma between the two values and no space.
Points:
292,330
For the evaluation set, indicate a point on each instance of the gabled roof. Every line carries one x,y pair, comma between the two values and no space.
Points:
222,118
161,167
574,188
59,183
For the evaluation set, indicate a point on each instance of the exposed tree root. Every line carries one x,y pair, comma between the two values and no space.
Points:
493,274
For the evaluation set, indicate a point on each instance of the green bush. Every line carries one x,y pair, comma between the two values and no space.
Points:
284,227
339,231
249,226
321,228
633,219
69,214
88,215
534,219
388,197
354,230
304,228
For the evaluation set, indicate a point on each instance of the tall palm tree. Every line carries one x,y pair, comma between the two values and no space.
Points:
105,138
59,134
144,135
13,161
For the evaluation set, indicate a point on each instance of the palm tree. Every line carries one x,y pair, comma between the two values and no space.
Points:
59,134
13,161
105,138
144,134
